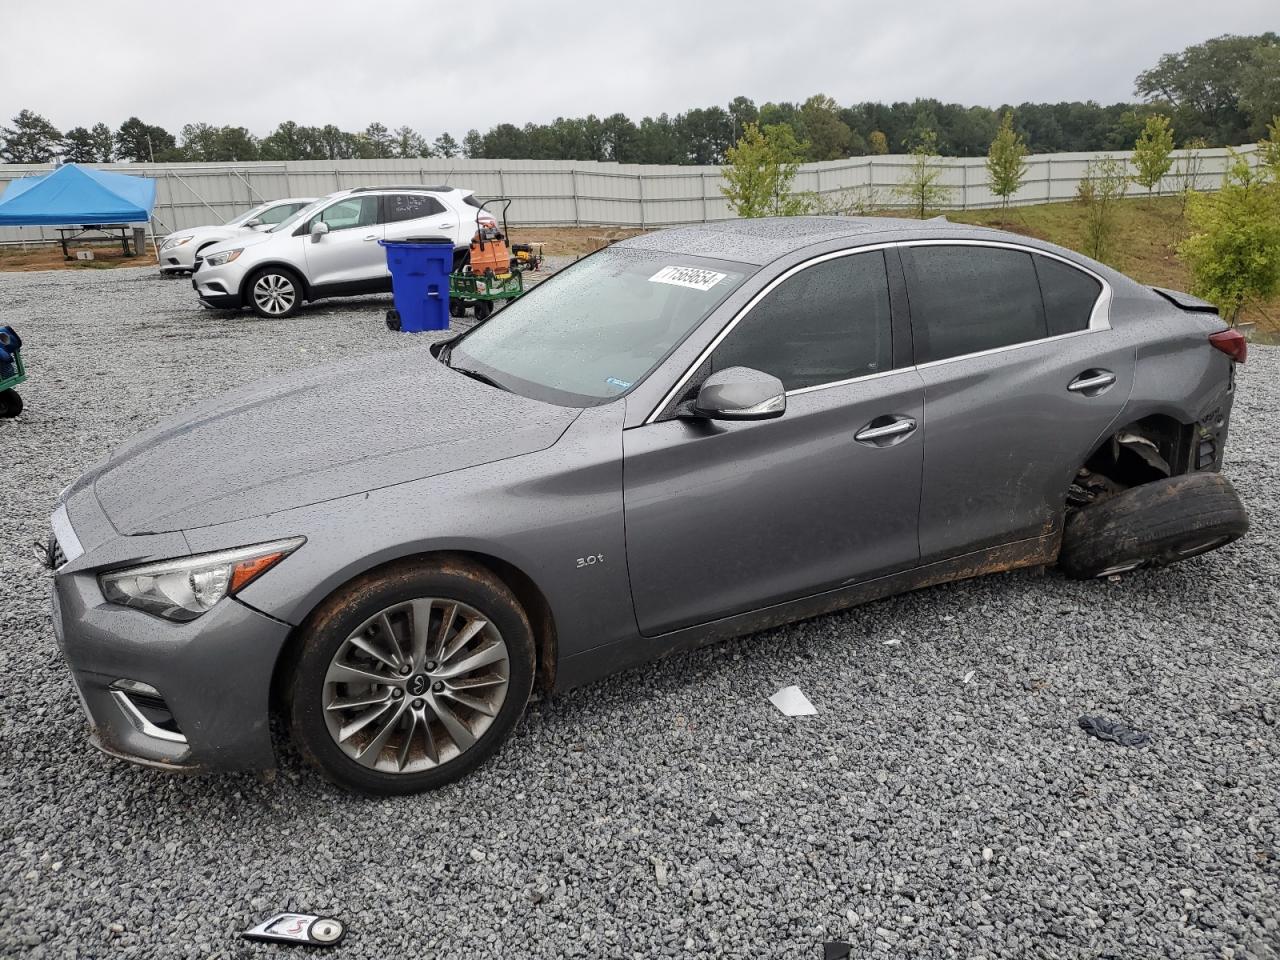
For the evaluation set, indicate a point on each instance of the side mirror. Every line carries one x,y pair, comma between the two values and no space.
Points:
740,393
318,230
255,222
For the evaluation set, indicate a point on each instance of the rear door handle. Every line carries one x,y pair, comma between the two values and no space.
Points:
885,431
372,236
446,226
1092,381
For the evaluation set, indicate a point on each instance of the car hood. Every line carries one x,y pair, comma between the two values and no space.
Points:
316,435
247,238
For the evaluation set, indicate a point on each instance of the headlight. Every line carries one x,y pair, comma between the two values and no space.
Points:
218,259
171,242
184,589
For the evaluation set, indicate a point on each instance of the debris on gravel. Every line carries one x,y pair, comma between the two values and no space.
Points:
672,810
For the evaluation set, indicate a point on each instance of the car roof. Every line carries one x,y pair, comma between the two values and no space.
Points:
762,240
415,187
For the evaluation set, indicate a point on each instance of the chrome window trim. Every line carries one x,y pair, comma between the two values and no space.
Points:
66,537
1099,316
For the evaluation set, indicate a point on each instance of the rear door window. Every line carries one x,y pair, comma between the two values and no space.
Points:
966,299
827,323
411,206
1069,295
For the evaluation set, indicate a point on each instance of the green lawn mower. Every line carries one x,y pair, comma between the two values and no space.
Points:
12,372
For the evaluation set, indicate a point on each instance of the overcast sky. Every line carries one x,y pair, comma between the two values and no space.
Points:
438,66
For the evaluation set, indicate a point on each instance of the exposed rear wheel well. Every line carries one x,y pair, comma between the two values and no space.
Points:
1152,448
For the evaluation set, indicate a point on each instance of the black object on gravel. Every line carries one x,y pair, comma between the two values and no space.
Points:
1114,732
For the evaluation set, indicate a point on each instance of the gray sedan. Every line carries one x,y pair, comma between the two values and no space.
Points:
693,434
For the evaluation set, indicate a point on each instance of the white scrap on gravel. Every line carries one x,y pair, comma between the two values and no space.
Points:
792,702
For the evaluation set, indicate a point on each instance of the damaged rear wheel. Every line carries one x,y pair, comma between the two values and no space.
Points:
1154,524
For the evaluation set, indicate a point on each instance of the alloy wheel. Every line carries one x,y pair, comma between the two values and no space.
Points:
274,294
416,685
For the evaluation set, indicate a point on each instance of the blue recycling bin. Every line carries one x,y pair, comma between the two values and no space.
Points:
420,268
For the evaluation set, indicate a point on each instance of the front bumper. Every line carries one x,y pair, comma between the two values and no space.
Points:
213,675
218,287
179,259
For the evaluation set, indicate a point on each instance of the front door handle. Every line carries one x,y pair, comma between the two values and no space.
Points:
1092,382
875,432
446,226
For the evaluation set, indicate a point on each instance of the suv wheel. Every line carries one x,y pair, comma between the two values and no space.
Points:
410,678
275,293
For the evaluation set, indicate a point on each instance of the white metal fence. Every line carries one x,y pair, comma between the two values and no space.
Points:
569,192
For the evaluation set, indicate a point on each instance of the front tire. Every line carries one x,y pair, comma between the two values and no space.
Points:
274,293
1153,524
409,678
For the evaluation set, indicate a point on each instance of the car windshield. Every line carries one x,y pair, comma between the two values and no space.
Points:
289,222
247,216
592,331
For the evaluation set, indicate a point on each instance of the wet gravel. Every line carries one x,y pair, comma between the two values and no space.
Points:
670,811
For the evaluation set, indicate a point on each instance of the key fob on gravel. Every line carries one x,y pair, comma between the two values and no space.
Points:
299,928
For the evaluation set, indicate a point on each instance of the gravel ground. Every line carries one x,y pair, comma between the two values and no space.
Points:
670,811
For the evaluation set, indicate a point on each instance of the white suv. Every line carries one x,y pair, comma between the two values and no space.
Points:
330,248
178,251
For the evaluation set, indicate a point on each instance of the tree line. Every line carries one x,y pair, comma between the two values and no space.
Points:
1219,93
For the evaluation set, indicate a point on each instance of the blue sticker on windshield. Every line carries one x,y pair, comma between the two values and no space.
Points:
615,382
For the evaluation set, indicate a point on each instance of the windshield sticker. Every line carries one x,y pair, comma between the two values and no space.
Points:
615,382
688,277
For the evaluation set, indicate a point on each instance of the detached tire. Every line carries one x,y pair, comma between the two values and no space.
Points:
410,677
1154,524
10,403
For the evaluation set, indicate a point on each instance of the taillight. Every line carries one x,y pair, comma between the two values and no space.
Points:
1232,343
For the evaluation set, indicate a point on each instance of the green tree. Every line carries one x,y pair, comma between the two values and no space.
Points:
473,144
1153,153
141,142
445,146
31,139
1100,191
1269,150
878,143
759,170
921,186
1208,85
1260,86
375,143
79,146
1006,161
1187,172
1234,253
104,143
828,136
409,143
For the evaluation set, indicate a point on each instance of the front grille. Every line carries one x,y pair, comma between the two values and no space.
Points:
53,556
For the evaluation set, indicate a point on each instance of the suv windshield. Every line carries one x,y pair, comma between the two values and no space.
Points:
306,211
246,216
590,332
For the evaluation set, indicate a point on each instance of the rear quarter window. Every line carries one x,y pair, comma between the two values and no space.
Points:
966,299
1069,295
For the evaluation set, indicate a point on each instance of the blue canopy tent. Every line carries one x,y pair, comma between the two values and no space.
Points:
78,196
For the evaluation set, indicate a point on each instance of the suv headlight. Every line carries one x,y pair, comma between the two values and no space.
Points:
171,242
184,589
218,259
